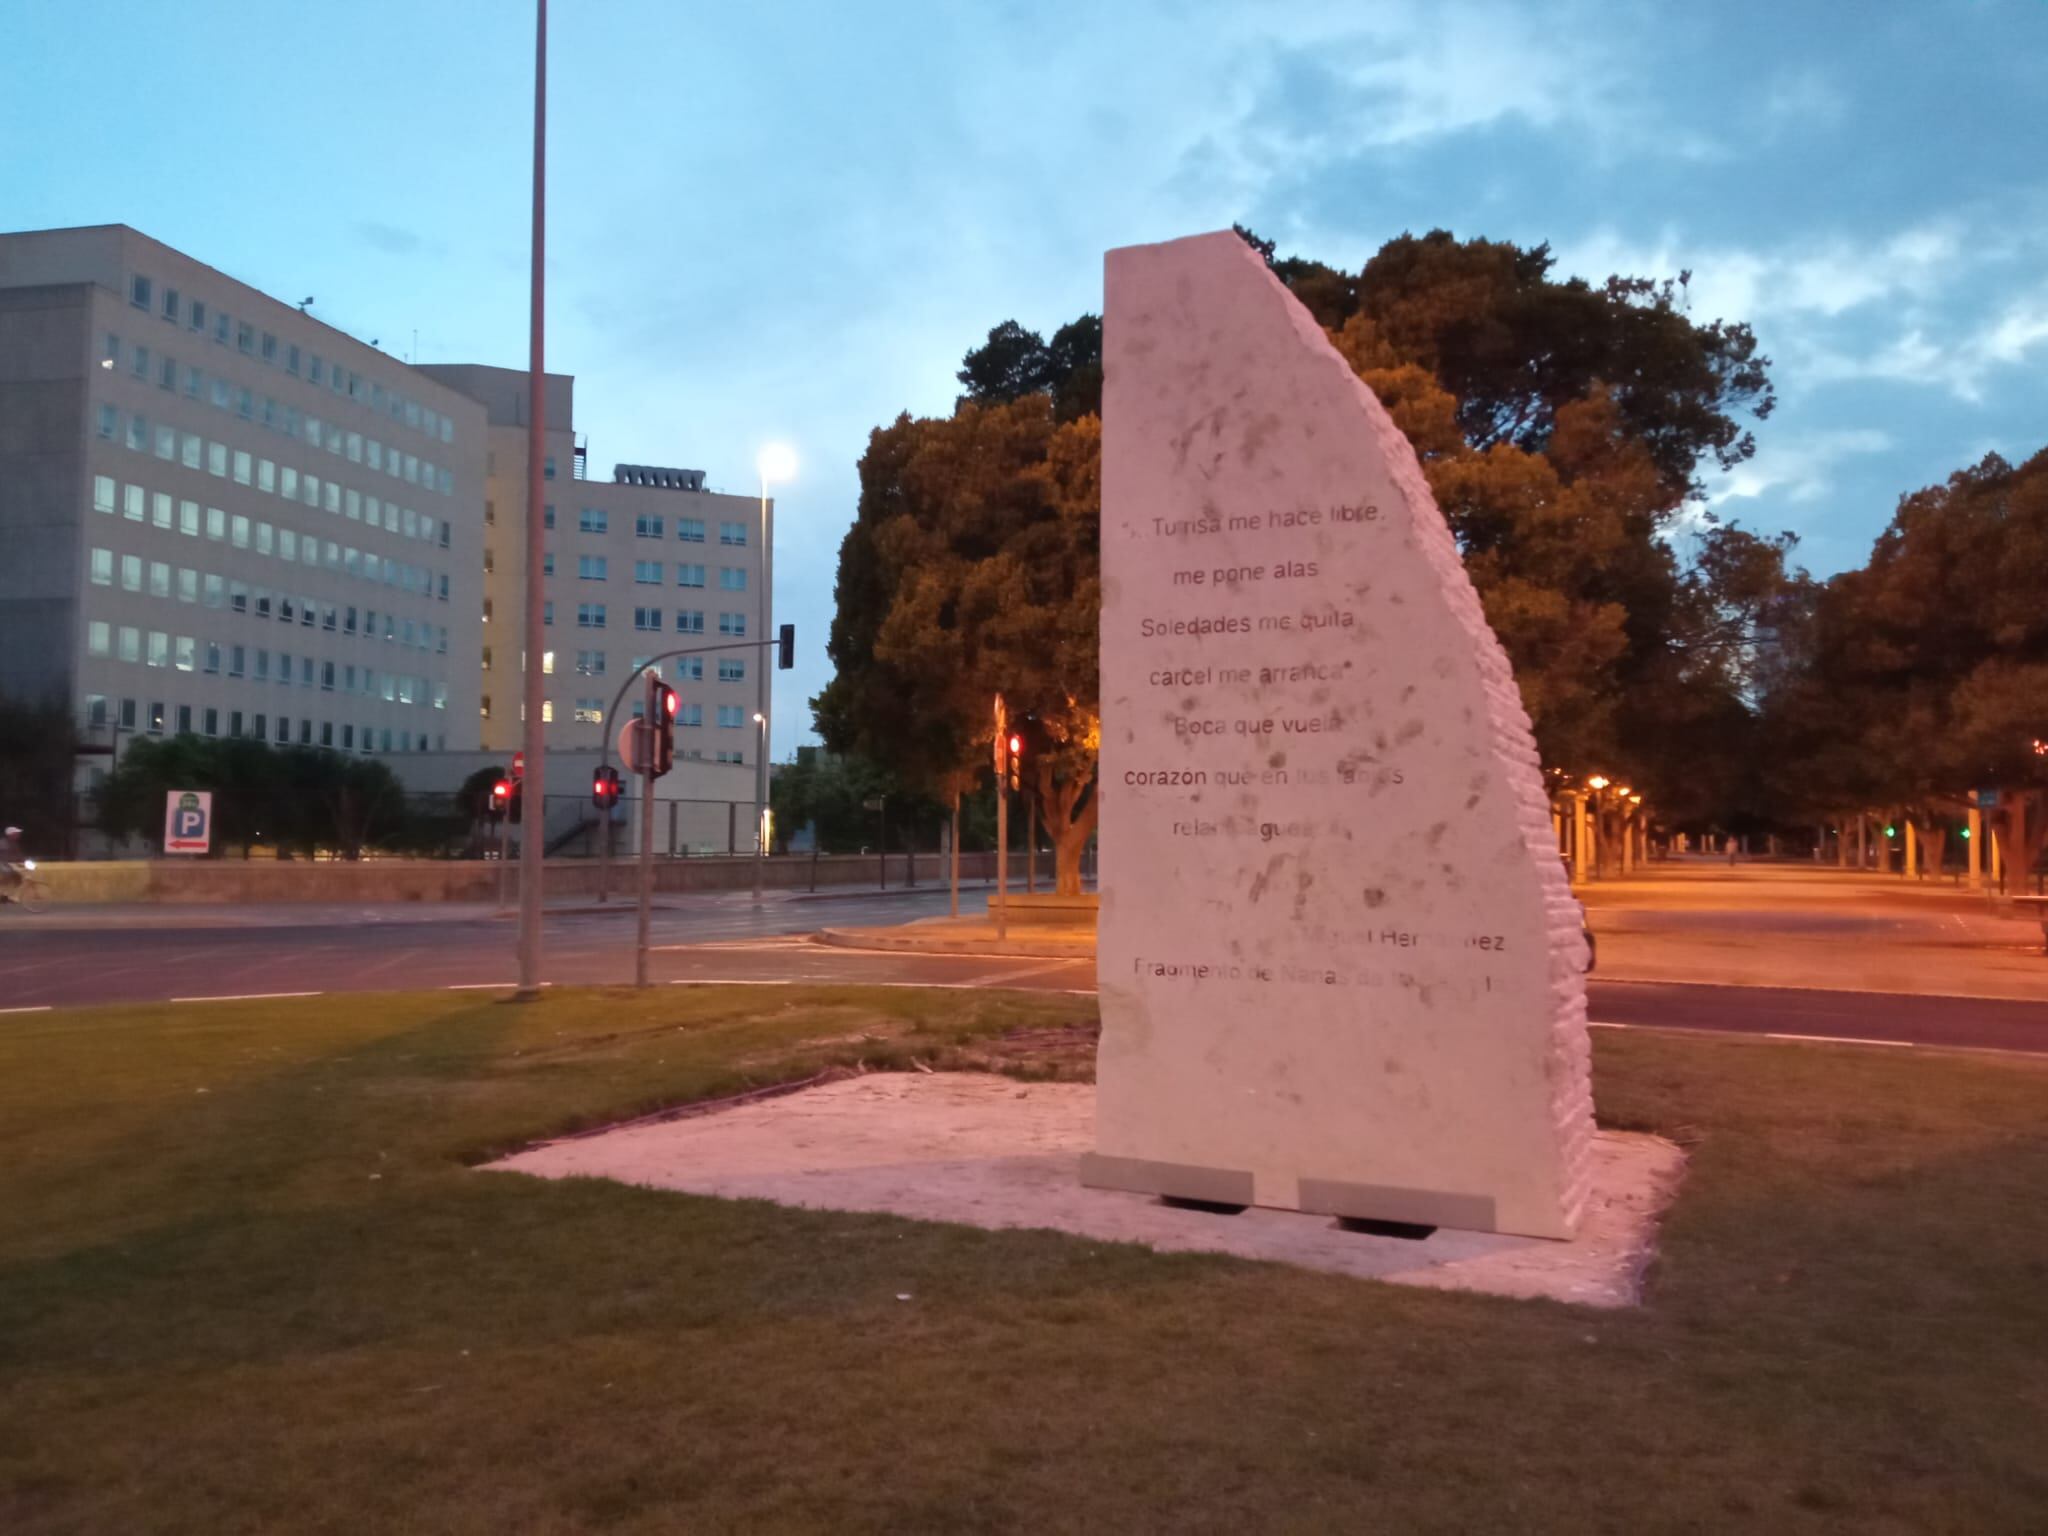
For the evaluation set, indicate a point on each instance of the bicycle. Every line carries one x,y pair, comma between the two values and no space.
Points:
27,892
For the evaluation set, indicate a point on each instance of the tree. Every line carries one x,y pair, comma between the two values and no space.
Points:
291,798
38,754
973,568
1924,674
1014,362
1561,425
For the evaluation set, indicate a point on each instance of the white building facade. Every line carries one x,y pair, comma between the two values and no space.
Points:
221,515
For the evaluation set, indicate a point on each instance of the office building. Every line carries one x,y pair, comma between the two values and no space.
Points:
644,562
221,515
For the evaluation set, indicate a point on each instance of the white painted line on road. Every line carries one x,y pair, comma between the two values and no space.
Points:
31,1008
243,997
779,981
1019,975
488,986
1603,1024
1603,979
1839,1039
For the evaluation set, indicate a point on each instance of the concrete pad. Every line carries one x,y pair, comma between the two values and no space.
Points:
993,1152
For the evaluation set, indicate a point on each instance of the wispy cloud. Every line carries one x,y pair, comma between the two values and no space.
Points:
1798,470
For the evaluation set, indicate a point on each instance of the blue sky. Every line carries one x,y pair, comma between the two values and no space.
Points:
788,221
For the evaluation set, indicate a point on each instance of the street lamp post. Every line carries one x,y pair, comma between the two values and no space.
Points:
533,840
776,462
760,791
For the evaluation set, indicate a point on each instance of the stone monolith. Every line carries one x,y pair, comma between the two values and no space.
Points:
1340,962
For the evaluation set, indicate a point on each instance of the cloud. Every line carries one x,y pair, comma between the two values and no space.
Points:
389,238
1798,470
1964,365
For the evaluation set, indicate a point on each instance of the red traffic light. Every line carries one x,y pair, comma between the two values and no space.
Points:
668,701
502,790
1016,746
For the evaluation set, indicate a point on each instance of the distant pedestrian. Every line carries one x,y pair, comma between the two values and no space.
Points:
1734,850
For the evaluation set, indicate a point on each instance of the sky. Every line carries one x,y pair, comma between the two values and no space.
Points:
785,221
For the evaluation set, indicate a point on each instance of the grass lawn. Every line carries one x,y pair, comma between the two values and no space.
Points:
247,1283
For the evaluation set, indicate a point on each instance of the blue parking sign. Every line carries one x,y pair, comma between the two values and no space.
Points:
188,821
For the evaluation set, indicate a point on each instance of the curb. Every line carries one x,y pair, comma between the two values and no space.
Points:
919,944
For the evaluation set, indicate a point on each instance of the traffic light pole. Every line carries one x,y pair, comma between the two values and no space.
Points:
1002,856
644,751
604,750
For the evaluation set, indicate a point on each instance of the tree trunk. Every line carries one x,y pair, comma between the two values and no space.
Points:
1068,828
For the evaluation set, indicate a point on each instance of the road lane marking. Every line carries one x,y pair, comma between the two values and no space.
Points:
28,1008
1603,980
1019,975
1839,1039
243,997
1603,1024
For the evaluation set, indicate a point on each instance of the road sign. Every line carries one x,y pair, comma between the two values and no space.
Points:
1988,799
629,746
518,765
188,821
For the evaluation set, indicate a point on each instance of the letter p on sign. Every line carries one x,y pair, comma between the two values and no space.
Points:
188,821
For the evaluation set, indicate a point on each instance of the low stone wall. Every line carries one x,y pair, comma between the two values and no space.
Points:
370,881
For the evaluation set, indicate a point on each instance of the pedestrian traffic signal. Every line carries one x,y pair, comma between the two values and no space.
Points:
785,648
663,725
604,788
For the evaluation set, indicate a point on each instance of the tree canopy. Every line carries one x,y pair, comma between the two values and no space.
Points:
1924,674
295,799
1565,429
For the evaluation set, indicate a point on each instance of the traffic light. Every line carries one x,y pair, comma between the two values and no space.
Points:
663,726
501,796
1015,757
604,788
1891,831
785,648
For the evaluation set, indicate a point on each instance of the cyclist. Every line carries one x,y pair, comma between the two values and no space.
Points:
11,857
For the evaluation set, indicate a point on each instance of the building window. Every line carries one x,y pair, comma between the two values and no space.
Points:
547,612
689,575
647,618
131,573
729,717
732,623
159,649
732,578
689,669
590,567
590,711
547,517
732,669
646,527
590,615
110,422
547,469
103,567
170,304
138,433
690,714
690,621
138,292
590,663
690,529
184,719
99,637
547,562
245,337
732,533
156,717
593,520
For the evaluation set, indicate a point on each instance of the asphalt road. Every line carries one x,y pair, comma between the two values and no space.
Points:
170,955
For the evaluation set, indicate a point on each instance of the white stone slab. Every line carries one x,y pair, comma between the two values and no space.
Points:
991,1152
1340,963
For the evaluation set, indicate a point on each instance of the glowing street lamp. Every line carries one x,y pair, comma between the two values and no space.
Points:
1598,781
